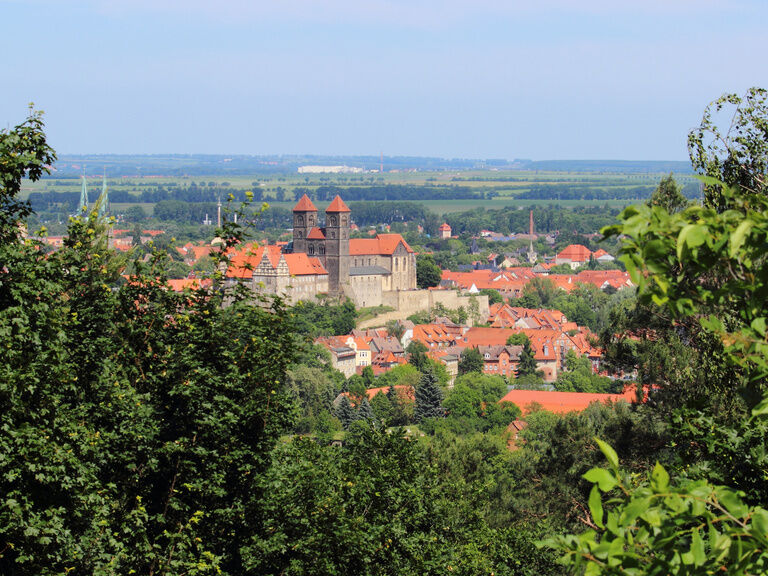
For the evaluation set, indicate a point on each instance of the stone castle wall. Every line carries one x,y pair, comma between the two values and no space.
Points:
407,302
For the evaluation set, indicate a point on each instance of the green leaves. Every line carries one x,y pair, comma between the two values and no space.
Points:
655,527
596,507
602,477
609,453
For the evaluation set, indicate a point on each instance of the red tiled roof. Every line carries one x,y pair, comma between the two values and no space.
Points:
338,206
444,226
178,285
301,265
382,244
575,253
562,402
316,234
304,205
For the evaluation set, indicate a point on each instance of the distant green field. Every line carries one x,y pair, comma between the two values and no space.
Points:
506,185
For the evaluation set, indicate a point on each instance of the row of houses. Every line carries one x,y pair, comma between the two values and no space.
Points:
351,353
550,333
511,282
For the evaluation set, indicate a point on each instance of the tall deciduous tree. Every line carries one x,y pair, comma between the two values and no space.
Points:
134,421
471,361
428,273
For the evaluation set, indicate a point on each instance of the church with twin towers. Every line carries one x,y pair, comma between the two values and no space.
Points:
324,260
361,268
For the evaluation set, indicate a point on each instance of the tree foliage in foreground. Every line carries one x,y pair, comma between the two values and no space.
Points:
135,422
709,264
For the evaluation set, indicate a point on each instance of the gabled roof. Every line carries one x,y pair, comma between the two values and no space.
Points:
382,244
244,261
337,206
316,234
301,265
304,205
575,253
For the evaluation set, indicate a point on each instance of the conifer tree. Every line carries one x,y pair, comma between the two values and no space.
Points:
345,412
365,412
429,398
527,364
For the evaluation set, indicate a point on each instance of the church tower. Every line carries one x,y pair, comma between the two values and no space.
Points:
304,219
337,227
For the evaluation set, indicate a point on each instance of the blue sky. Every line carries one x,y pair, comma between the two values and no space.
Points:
549,79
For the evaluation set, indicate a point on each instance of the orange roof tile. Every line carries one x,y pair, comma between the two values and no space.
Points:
191,283
562,402
575,253
304,205
382,244
301,265
337,205
316,234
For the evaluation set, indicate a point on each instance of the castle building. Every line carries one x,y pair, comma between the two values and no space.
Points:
361,268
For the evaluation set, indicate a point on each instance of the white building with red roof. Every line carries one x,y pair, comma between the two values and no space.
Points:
574,255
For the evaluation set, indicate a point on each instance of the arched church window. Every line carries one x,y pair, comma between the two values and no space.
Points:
333,234
298,233
322,249
311,248
333,220
299,220
343,220
311,220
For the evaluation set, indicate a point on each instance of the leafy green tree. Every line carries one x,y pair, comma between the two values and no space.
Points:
429,399
494,297
25,153
471,361
417,354
369,379
661,527
732,150
529,382
135,214
428,273
314,391
539,292
136,235
579,376
137,408
518,339
668,196
382,407
395,328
